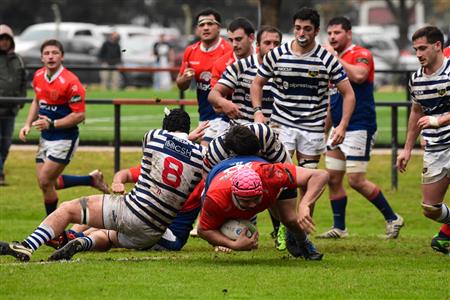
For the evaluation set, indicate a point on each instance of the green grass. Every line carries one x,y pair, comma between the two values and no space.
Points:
136,120
364,266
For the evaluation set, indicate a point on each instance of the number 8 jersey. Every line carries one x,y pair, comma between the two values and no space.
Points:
171,167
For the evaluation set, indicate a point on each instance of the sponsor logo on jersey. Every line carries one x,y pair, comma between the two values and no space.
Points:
284,69
362,60
313,73
205,76
75,99
178,146
44,106
442,92
193,62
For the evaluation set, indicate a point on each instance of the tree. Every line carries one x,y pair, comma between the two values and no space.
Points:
402,14
269,12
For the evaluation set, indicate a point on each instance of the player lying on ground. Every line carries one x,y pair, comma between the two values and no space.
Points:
170,169
241,187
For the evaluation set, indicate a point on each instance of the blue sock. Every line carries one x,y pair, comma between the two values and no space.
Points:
338,206
67,181
383,206
51,207
87,243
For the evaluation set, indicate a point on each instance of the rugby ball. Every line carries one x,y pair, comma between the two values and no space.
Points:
233,228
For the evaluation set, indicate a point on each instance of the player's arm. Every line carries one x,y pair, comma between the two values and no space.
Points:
217,98
120,178
32,115
433,122
69,121
216,238
346,90
411,137
198,132
357,73
312,182
256,92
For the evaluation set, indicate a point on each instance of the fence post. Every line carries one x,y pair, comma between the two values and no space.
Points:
116,137
394,146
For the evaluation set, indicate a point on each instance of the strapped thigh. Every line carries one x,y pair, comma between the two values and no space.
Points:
84,210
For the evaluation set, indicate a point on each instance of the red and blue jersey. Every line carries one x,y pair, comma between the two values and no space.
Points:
220,66
364,116
447,52
218,205
202,60
58,97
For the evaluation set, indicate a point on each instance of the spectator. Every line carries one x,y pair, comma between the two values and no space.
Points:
110,55
12,84
164,54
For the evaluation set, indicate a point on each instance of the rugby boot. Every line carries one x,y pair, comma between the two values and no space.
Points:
393,227
17,250
69,250
98,181
441,244
303,249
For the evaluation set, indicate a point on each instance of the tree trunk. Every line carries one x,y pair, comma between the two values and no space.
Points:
270,12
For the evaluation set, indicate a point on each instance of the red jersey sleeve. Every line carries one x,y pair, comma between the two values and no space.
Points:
76,95
447,52
195,198
363,58
185,61
279,175
211,217
135,172
215,75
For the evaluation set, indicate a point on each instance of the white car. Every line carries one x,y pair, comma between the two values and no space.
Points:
37,33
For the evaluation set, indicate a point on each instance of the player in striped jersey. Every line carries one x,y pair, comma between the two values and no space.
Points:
170,169
237,78
430,115
301,72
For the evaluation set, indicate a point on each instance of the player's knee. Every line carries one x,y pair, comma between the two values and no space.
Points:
356,182
45,183
431,211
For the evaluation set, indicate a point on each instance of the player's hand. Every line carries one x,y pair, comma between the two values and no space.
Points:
402,160
42,123
118,188
330,49
188,74
428,122
231,109
24,132
259,117
305,220
244,243
337,136
198,132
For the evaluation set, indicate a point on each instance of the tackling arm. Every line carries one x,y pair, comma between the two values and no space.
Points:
217,98
256,92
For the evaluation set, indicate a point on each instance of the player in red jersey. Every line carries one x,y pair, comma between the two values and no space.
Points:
197,64
241,35
243,186
58,107
447,52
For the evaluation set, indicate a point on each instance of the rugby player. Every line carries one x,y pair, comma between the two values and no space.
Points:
57,109
430,116
170,169
353,154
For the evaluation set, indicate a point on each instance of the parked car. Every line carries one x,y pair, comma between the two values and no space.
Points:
69,31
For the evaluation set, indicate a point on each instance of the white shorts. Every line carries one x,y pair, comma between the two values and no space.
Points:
216,128
304,142
60,151
436,165
357,144
132,232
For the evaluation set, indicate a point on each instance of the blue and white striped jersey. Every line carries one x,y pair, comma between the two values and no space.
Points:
239,77
432,93
171,167
271,148
301,84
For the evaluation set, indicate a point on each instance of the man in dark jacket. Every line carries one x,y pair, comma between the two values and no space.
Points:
110,55
12,84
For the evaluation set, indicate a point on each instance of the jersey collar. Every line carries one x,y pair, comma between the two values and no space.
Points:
54,76
350,48
212,48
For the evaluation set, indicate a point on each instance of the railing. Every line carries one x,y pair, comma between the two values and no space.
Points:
117,122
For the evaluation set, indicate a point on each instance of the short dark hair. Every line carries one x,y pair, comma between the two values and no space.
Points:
341,20
243,23
209,11
267,28
242,141
432,33
307,13
177,120
52,42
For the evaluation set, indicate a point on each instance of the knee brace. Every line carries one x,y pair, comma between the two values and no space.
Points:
431,208
332,163
84,210
309,163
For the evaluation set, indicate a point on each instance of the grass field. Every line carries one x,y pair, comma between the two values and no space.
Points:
364,266
136,120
